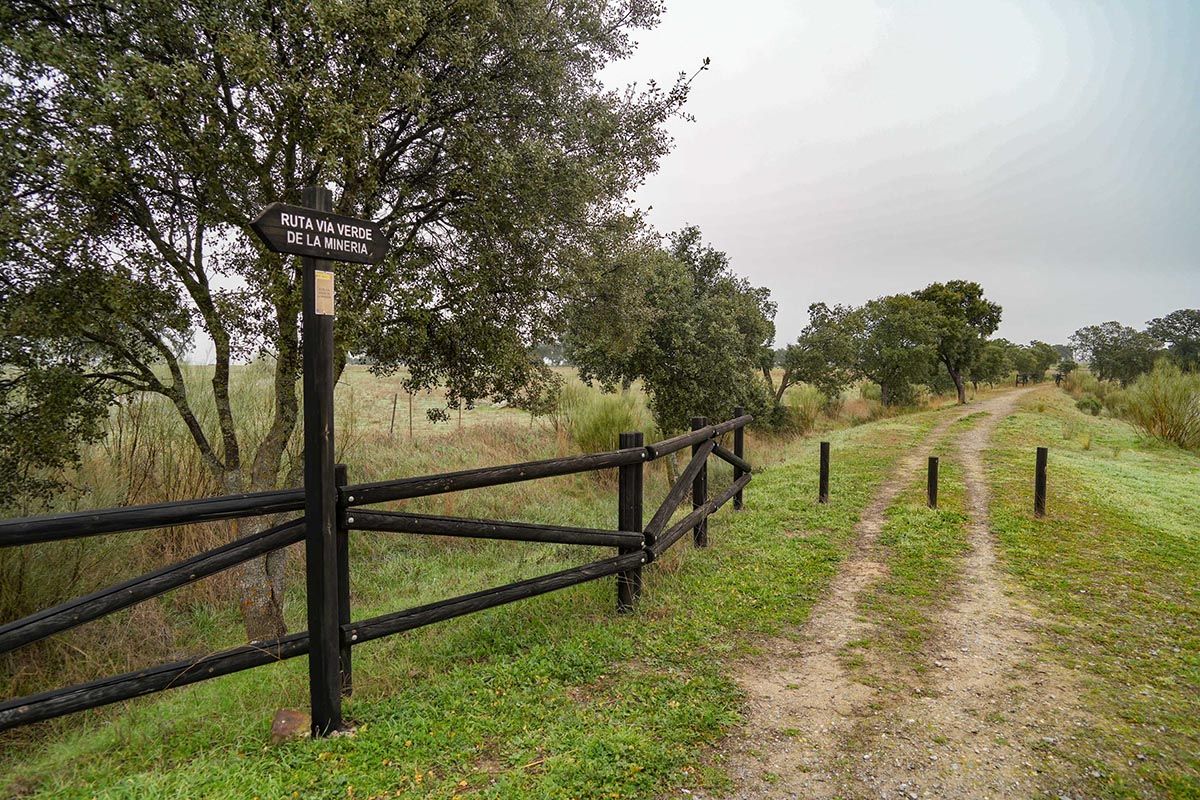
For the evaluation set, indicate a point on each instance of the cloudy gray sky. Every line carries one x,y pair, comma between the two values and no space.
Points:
843,149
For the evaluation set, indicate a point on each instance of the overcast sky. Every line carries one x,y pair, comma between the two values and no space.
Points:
842,150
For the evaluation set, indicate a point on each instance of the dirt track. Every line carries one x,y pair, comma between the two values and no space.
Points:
816,729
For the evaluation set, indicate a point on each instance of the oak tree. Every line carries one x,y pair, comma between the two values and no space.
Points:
141,137
822,356
1116,352
964,321
896,345
684,324
1180,331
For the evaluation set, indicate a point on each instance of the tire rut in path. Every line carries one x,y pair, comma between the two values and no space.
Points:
804,704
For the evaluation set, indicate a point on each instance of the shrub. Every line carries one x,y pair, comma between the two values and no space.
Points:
594,421
1116,402
1090,404
804,405
1080,383
1165,403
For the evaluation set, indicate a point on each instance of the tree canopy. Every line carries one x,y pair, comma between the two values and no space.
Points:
1180,331
693,332
1116,352
993,364
964,321
896,344
140,139
823,354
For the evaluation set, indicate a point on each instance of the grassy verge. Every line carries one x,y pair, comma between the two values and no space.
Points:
551,697
1115,567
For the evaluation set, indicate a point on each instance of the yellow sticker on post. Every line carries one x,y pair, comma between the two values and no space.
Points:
324,293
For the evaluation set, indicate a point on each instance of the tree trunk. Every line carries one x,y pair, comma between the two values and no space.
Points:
956,375
260,586
672,468
260,581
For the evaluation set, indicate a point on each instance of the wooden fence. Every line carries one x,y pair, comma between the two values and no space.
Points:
636,546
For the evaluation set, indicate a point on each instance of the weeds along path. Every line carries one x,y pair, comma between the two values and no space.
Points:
816,729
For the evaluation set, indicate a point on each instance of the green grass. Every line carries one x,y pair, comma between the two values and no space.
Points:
1115,568
922,548
558,697
551,697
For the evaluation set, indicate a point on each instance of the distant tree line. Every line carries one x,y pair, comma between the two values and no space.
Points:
936,336
1120,353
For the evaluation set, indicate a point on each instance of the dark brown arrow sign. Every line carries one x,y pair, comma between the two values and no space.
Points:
304,231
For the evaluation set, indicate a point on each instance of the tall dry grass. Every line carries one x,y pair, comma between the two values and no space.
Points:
148,456
805,405
593,421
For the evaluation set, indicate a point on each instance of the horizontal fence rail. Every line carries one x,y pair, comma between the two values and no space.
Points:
387,624
406,488
113,598
102,692
56,703
76,525
636,547
488,529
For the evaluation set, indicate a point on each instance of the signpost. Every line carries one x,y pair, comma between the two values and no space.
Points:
316,233
320,237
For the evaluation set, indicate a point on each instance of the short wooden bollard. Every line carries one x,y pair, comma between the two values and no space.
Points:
1039,482
823,488
700,489
931,481
739,450
629,518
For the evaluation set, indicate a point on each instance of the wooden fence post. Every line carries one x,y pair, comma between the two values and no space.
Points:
320,493
823,486
739,450
1039,483
932,481
629,518
345,669
700,490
